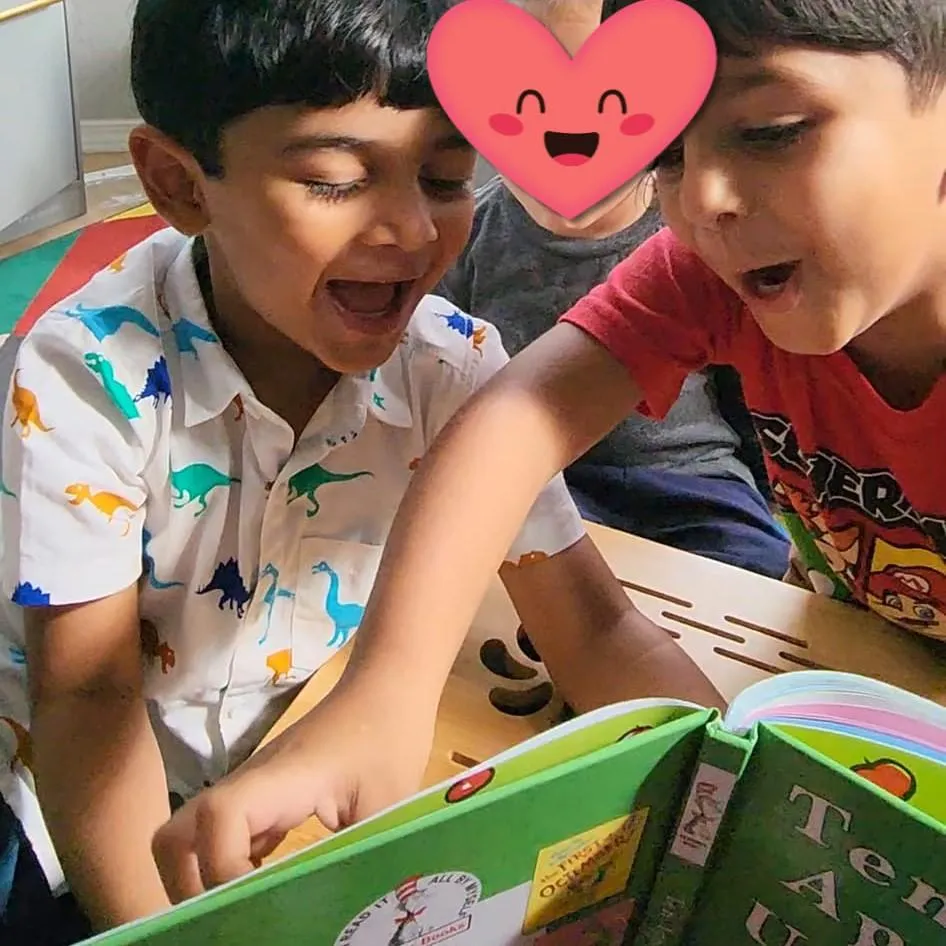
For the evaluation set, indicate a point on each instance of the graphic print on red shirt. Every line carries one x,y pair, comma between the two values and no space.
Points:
862,527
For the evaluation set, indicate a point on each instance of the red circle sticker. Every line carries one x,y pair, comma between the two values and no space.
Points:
469,786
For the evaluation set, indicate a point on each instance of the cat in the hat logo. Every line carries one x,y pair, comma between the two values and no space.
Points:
411,912
420,911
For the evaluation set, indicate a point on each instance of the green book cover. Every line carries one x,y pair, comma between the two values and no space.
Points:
816,854
811,814
565,832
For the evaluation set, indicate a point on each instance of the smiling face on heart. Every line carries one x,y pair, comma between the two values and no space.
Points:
571,131
570,148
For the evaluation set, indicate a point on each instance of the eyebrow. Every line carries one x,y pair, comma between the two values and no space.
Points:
325,142
746,81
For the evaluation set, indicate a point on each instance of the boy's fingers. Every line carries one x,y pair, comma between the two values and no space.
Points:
264,844
222,840
177,863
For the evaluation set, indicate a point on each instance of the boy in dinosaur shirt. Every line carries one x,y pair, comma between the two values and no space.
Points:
204,448
807,246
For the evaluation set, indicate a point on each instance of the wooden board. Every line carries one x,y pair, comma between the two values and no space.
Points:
738,626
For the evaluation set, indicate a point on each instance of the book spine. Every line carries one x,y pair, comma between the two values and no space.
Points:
673,897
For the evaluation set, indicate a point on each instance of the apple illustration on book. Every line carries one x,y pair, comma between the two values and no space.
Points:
469,786
890,775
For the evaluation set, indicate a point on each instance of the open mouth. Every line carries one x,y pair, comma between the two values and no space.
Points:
571,149
367,298
768,282
371,307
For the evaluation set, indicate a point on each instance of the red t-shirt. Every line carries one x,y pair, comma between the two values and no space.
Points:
862,484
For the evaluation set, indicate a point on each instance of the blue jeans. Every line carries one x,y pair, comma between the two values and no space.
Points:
29,913
721,518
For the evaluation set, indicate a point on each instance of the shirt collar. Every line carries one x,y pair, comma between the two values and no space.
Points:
211,379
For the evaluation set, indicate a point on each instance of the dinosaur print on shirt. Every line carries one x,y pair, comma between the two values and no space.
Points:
154,648
26,409
149,567
465,326
108,504
272,593
345,617
108,321
229,582
193,483
120,395
28,595
157,383
186,333
280,663
309,480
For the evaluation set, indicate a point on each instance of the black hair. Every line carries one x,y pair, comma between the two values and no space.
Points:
911,32
197,65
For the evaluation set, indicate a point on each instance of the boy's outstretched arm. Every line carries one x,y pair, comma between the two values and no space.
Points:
473,491
98,770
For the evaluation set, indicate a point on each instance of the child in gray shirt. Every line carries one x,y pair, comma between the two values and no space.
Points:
679,481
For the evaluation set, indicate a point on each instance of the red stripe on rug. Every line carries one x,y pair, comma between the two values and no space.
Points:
98,246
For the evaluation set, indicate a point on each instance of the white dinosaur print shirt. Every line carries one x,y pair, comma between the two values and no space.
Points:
135,451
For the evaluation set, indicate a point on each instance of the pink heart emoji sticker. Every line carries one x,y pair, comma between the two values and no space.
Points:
570,132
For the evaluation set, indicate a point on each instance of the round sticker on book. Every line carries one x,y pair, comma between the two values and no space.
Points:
420,910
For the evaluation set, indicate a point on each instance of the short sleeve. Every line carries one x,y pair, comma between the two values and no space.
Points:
73,495
664,315
553,523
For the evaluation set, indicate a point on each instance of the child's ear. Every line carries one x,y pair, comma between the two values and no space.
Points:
171,178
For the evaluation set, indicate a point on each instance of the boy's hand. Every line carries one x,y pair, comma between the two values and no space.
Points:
363,748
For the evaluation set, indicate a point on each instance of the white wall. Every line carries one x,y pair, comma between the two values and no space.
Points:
100,39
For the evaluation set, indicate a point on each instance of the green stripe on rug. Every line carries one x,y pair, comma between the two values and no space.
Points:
23,275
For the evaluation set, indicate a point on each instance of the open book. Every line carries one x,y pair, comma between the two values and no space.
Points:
813,813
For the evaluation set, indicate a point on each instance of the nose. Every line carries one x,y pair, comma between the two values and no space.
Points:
709,196
402,218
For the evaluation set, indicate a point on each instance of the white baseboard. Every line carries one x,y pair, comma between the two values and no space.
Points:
108,135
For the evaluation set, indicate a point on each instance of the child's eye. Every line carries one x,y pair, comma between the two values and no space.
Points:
772,137
448,188
331,191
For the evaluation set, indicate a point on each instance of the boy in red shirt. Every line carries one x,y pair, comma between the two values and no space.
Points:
807,247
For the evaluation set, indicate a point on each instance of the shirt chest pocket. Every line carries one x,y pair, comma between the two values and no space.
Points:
332,588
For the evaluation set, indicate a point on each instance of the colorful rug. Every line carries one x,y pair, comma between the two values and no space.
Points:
33,281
